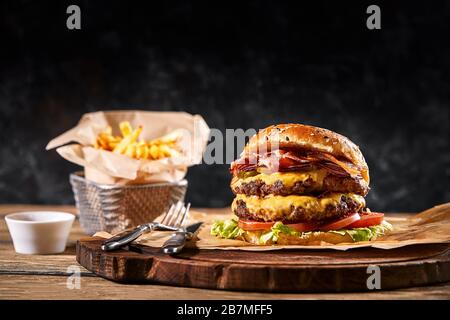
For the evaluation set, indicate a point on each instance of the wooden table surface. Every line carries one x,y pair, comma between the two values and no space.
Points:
45,277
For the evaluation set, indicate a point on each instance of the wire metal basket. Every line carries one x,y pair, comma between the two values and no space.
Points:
114,208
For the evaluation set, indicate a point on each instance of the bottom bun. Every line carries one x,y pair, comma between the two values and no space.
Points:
311,238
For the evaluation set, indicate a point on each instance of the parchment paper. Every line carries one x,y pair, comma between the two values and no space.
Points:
106,167
430,226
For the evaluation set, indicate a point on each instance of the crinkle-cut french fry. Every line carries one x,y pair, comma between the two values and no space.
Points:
160,141
104,137
140,149
146,152
138,154
115,139
120,148
113,144
154,152
164,150
103,144
125,128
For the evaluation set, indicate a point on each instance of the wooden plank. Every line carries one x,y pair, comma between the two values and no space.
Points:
56,265
54,287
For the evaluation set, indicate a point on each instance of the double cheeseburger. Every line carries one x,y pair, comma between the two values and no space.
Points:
299,184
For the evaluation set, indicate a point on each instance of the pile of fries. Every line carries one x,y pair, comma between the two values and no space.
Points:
128,144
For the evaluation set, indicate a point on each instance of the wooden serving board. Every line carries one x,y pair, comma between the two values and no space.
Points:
280,270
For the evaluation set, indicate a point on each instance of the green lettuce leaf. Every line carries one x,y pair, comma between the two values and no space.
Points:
229,229
369,233
275,231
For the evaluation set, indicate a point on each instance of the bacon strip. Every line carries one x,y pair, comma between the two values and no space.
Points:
285,160
348,167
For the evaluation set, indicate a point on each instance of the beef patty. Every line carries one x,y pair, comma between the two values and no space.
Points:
295,209
330,183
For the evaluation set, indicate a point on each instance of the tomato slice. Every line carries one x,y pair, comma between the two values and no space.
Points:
368,219
254,225
257,225
353,221
303,227
342,223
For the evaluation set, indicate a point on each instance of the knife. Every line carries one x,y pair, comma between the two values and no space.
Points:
177,241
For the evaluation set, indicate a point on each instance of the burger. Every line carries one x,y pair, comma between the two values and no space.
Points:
303,185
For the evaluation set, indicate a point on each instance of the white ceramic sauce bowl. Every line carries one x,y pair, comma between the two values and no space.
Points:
39,232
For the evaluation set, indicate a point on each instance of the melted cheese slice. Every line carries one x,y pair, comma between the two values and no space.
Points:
283,204
288,178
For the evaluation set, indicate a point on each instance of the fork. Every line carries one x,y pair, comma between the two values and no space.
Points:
173,220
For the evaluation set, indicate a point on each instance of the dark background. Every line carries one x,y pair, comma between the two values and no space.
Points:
240,65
